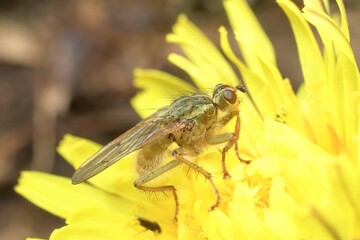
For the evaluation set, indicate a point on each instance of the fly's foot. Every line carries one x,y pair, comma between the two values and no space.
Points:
215,206
226,174
248,161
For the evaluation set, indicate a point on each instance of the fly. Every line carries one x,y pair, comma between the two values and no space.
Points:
191,122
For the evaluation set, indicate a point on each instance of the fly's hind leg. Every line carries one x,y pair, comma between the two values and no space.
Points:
178,155
231,139
139,183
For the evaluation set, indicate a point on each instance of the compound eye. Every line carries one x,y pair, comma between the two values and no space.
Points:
230,96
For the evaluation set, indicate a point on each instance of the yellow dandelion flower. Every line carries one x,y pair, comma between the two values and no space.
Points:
304,181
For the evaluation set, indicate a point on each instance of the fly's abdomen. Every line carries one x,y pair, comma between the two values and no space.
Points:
150,156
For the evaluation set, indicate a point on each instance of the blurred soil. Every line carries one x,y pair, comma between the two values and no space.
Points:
66,67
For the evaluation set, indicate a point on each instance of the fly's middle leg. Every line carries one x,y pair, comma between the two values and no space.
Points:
177,154
141,181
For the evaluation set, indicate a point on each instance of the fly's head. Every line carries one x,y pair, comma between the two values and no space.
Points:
225,97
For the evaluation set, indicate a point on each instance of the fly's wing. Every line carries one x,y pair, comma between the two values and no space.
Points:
149,130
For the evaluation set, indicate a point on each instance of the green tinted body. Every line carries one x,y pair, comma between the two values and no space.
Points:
188,122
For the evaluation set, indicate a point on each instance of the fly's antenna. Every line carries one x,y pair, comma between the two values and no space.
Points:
241,88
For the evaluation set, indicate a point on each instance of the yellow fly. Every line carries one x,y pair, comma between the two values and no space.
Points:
191,122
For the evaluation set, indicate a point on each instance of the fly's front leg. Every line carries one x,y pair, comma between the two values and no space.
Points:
139,183
231,139
235,140
177,154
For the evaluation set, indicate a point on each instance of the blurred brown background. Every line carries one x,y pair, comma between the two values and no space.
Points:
66,67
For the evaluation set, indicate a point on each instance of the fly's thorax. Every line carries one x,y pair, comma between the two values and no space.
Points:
199,109
196,133
190,107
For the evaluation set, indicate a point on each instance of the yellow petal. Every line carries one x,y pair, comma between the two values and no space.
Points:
105,223
76,150
281,215
314,73
219,226
316,192
158,89
320,5
254,82
58,196
248,225
78,232
343,16
249,33
309,52
327,26
117,179
272,95
204,62
343,79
